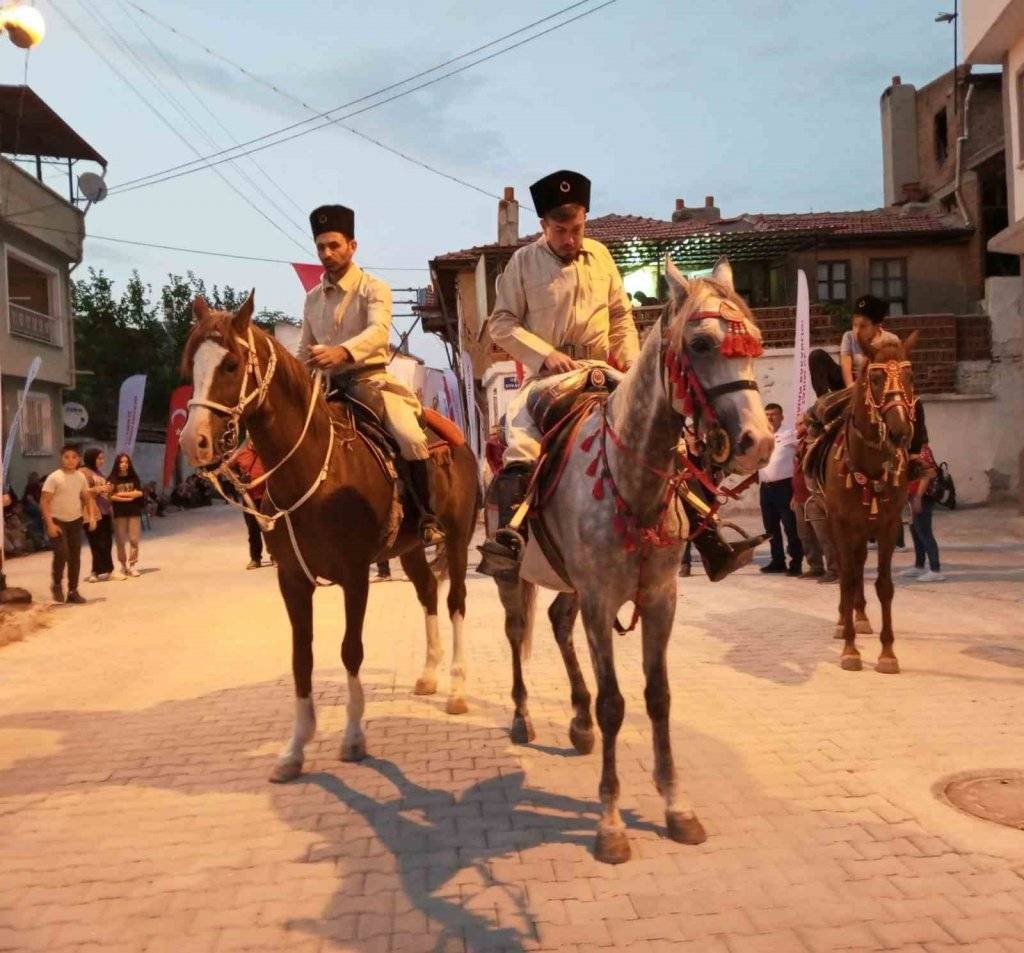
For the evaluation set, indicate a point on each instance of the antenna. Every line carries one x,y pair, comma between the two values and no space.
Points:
92,187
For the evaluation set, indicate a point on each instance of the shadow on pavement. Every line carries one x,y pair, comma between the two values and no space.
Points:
801,642
1000,654
428,831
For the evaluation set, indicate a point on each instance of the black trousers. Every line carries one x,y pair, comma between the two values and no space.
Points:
67,551
255,538
100,545
778,516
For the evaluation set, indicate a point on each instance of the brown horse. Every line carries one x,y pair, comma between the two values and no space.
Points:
866,490
328,508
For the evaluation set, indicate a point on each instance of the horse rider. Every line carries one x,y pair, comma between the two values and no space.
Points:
561,306
346,327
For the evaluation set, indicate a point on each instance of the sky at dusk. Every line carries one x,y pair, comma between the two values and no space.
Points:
769,106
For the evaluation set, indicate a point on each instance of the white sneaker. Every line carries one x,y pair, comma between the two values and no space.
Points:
92,577
118,574
912,572
929,576
134,572
103,577
253,564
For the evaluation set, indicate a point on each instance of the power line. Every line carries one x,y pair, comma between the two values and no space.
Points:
156,83
183,169
316,114
199,251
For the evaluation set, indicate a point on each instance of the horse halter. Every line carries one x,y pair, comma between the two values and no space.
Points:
228,441
894,394
698,400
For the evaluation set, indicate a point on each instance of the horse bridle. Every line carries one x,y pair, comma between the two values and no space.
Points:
894,388
682,383
228,440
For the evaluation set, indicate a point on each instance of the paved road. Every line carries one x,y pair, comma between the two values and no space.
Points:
136,733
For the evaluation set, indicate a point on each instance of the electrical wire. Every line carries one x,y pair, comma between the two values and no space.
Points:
183,169
316,113
125,48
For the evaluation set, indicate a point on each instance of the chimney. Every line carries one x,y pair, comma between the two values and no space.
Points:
709,213
900,168
508,218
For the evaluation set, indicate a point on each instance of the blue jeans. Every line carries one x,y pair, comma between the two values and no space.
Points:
924,538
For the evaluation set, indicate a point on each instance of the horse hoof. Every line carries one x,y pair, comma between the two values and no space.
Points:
456,706
862,626
888,665
354,750
850,663
285,771
612,847
582,738
685,829
522,732
425,686
840,633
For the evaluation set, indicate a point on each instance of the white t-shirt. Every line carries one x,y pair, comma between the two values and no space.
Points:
67,490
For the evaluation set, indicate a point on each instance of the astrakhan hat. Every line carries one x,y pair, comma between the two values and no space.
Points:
333,218
560,188
871,307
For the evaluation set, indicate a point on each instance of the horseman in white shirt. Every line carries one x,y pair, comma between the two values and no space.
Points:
346,326
561,306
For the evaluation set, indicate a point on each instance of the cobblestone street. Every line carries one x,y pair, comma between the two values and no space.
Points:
136,734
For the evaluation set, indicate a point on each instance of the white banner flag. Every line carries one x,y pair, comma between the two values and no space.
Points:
801,349
12,434
129,412
472,425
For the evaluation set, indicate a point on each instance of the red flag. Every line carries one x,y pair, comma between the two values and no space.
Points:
309,275
175,424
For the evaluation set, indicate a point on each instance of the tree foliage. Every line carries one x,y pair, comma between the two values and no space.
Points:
138,333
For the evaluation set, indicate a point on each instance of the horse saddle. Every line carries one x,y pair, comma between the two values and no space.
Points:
550,406
826,417
354,389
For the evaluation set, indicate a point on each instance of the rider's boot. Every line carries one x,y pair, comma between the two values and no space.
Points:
719,557
430,530
503,553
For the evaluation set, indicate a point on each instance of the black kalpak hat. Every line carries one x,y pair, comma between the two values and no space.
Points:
871,307
560,188
333,218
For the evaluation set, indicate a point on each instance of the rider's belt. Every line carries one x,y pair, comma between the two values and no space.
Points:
584,352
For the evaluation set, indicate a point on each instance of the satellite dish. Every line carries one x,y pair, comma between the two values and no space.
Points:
92,186
75,415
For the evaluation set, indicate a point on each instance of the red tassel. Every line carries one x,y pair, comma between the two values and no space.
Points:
588,443
592,469
599,489
619,524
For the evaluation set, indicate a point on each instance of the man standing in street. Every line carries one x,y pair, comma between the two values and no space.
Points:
777,498
250,467
64,498
346,324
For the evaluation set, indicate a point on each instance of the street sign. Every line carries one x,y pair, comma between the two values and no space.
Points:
75,415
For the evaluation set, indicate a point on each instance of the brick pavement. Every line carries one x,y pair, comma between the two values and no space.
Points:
136,733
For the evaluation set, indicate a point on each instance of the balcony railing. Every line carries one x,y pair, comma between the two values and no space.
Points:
33,324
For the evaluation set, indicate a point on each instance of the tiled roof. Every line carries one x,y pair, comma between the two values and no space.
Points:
883,222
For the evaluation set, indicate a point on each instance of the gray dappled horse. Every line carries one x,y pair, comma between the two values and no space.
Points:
620,529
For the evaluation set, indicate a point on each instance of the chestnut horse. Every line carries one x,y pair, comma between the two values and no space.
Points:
866,489
334,497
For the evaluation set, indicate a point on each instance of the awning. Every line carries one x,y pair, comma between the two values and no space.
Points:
29,127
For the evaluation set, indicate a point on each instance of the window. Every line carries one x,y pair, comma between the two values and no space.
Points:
32,294
940,126
37,426
833,281
889,282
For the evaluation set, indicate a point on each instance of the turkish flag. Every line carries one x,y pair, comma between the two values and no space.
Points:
309,275
175,424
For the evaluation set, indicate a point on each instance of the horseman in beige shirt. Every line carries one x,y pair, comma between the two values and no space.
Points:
560,306
346,327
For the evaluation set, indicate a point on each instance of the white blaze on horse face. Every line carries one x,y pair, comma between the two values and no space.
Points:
208,357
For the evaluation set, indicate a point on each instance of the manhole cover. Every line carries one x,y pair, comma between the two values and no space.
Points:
994,797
